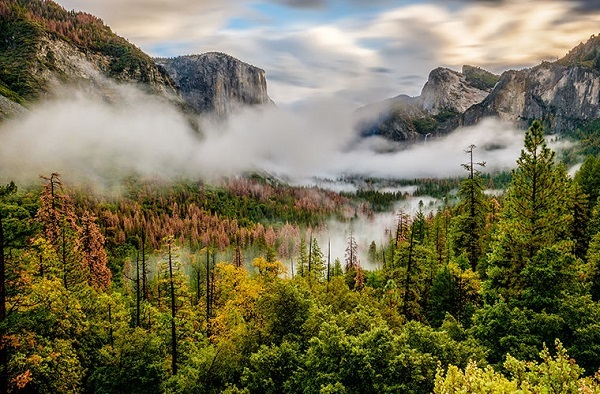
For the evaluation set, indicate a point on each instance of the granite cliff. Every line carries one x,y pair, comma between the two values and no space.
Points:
446,95
564,94
216,82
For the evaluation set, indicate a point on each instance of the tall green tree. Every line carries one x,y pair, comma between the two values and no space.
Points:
302,265
317,266
472,211
536,215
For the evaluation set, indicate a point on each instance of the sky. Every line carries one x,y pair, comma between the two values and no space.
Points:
357,51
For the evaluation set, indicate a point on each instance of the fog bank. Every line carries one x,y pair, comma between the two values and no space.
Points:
87,137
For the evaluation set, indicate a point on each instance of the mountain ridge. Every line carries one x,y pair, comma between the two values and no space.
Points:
42,45
564,95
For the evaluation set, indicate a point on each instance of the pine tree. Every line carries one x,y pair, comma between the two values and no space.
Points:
351,256
536,214
353,269
59,223
317,260
173,310
302,265
91,242
472,211
337,268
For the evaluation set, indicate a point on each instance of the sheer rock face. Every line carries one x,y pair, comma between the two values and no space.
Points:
217,83
563,97
448,90
58,63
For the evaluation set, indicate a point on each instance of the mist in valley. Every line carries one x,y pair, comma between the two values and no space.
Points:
86,137
99,142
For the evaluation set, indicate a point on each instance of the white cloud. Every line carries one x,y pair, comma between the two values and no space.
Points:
86,137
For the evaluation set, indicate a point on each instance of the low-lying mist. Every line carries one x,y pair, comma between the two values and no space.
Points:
87,137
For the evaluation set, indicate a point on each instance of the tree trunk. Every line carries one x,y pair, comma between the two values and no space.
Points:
137,289
408,269
144,284
207,287
3,354
173,331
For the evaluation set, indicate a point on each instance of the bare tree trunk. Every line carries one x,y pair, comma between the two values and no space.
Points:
137,289
3,353
144,284
207,287
173,331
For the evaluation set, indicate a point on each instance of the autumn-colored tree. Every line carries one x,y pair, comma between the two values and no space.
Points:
59,223
91,242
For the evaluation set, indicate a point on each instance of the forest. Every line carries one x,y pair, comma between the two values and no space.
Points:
181,286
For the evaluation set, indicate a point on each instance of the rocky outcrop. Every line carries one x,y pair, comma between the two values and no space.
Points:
43,45
445,96
563,97
63,62
9,109
217,83
448,90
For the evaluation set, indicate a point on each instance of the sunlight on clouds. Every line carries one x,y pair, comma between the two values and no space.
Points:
513,34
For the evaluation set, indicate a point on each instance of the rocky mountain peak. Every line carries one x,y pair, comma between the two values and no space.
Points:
448,90
444,97
585,54
216,82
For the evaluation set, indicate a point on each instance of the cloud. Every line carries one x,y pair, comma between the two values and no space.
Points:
311,4
83,136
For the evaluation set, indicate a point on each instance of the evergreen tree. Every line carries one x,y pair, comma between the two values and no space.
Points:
588,177
372,253
337,268
472,210
353,269
351,256
317,261
302,265
536,214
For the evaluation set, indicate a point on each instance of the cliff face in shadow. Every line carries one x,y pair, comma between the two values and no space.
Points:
217,83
